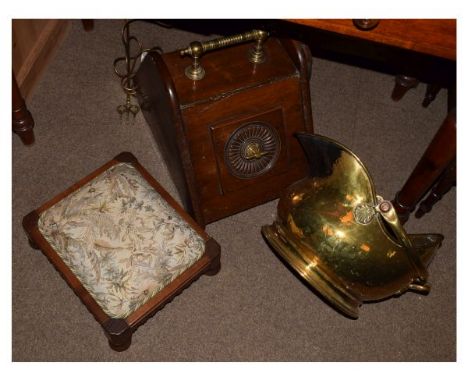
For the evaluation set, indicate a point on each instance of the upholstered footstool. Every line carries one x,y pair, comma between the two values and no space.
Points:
123,245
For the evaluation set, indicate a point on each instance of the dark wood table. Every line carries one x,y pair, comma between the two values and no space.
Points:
433,37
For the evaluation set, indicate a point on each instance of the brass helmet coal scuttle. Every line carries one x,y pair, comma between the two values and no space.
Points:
342,238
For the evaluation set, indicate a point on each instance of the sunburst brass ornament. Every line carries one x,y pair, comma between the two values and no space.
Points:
252,150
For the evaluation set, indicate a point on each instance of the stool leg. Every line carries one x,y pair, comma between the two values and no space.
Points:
215,266
29,223
119,334
213,250
33,244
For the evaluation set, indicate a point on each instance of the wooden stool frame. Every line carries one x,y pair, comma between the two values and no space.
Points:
119,331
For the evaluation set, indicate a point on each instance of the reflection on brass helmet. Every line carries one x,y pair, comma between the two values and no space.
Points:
341,237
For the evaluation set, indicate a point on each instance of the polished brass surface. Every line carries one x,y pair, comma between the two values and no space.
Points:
257,54
195,71
196,49
254,151
341,237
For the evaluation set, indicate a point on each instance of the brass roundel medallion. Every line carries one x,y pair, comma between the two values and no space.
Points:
364,213
252,150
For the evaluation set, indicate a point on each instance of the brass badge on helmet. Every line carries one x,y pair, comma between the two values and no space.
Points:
364,213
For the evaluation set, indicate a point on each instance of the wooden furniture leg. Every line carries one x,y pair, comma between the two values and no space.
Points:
215,265
402,85
88,24
437,157
431,93
23,122
119,334
443,185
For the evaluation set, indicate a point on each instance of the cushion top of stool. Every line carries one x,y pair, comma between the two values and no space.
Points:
121,239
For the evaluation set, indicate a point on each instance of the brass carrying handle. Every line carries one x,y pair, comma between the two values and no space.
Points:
387,211
196,49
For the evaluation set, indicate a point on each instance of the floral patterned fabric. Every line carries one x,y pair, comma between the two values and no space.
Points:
121,239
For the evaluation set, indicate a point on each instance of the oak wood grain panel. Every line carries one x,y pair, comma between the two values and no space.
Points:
25,34
34,44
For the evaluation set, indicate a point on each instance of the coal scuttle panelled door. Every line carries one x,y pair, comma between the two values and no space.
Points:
225,120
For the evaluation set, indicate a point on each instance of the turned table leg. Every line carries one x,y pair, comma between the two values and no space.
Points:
23,122
435,160
431,93
402,85
88,24
443,185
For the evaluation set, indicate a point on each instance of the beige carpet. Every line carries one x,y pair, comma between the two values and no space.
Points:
255,309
